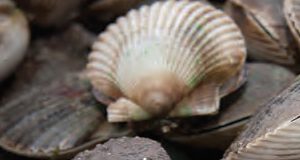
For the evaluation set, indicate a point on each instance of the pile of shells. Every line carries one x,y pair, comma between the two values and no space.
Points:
184,71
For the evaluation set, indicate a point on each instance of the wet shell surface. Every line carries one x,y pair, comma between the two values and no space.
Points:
217,132
50,13
266,31
14,35
165,60
292,15
56,120
273,133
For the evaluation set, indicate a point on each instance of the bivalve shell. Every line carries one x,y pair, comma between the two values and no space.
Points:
170,58
55,121
266,31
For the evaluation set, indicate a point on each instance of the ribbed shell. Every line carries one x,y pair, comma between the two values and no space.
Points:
266,32
292,15
60,119
273,133
192,40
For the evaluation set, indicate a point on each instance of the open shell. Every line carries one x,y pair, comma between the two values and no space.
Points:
14,35
266,32
156,56
273,133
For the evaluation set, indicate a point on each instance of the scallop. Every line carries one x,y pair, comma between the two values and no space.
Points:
169,59
266,31
14,35
55,120
273,133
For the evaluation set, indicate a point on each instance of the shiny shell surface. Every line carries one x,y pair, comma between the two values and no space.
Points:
154,63
273,133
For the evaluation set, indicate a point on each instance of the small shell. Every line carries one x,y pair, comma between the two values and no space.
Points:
14,35
292,13
273,133
149,60
56,120
267,35
50,13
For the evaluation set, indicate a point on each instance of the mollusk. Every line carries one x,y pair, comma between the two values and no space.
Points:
56,120
14,35
167,59
265,29
273,133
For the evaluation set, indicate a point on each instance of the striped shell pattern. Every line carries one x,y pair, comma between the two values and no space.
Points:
170,58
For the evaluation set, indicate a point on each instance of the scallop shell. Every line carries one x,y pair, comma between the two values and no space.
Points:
263,24
158,55
50,13
55,120
14,35
273,133
292,11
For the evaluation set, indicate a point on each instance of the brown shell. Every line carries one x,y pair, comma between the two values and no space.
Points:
58,120
273,133
27,105
263,24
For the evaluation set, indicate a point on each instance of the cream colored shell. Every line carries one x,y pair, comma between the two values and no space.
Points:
14,37
157,55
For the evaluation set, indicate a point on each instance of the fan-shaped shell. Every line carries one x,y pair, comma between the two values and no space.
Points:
158,54
56,120
14,35
266,32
